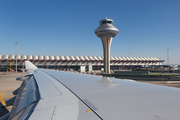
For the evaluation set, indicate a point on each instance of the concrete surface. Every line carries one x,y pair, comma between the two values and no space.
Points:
8,84
170,84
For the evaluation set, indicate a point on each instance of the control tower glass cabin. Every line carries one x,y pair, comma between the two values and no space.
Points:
106,31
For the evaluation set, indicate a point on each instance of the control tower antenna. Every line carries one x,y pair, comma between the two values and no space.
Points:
106,31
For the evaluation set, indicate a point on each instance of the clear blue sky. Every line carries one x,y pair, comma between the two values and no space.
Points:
59,27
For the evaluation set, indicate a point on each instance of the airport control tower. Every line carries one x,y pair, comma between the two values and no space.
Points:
106,31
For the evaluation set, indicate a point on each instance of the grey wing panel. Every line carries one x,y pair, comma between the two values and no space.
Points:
54,95
57,102
118,99
43,97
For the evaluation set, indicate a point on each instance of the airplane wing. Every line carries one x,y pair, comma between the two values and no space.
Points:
57,95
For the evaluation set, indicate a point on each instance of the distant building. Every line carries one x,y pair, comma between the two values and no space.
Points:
8,62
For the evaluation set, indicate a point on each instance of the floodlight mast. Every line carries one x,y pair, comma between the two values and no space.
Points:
106,31
16,56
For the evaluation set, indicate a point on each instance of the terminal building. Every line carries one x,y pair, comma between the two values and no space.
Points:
74,63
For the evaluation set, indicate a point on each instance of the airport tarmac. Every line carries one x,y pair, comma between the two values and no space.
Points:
8,84
166,83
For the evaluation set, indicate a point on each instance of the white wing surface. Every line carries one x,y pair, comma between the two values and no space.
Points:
57,95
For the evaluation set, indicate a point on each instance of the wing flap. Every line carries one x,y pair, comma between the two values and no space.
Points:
46,88
66,105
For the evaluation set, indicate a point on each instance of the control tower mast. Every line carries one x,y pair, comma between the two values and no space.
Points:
106,31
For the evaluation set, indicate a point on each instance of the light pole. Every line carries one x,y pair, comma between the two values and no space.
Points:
16,57
168,58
